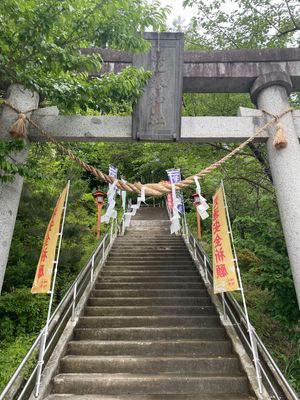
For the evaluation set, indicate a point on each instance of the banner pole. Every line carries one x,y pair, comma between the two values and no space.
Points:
249,326
185,228
45,331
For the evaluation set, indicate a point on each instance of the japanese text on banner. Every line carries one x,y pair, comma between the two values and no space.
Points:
43,275
225,278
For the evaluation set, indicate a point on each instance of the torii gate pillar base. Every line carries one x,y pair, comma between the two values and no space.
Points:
270,92
10,193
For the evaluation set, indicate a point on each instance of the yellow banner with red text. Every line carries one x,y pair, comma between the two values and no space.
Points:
224,272
43,275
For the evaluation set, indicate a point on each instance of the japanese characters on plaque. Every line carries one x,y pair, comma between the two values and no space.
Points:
157,114
224,272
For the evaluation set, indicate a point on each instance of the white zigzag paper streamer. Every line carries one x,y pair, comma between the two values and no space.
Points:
134,208
203,206
111,212
175,219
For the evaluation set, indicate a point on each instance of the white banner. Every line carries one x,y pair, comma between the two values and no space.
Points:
174,176
175,219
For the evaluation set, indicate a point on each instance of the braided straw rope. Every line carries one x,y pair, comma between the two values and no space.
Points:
151,189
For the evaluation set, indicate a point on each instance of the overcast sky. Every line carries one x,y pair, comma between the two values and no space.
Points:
177,10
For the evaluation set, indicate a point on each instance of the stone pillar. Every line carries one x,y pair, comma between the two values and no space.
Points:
10,193
270,92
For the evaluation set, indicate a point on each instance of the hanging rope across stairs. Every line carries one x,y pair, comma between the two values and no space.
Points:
151,189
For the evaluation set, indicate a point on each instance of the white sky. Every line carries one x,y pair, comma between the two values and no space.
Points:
177,10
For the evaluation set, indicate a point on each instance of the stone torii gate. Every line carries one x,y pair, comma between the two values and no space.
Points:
269,75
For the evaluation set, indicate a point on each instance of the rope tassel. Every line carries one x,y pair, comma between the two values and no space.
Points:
153,189
280,140
18,128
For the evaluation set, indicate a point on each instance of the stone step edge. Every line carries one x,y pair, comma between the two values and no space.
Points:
150,397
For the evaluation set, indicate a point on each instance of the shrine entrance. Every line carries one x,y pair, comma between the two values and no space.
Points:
268,75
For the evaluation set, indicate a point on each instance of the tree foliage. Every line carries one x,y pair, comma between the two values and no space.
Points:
223,24
40,45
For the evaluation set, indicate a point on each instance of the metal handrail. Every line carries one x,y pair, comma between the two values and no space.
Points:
64,311
238,318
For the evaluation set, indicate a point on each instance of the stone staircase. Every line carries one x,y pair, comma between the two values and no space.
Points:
149,330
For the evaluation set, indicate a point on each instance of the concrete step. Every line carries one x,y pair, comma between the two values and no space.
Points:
164,236
155,225
155,229
150,293
151,213
149,241
154,253
152,263
149,238
139,244
149,227
148,321
150,384
159,247
152,258
150,333
149,267
149,223
149,278
149,301
144,348
149,365
229,396
140,272
141,241
162,248
149,285
149,330
157,233
144,252
149,311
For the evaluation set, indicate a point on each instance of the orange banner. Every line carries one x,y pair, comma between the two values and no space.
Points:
225,278
43,275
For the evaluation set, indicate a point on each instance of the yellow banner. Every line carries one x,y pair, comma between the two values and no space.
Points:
43,275
225,278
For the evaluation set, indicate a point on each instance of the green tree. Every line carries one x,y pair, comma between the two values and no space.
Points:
40,45
223,24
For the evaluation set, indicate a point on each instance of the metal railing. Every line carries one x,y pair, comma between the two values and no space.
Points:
64,313
273,380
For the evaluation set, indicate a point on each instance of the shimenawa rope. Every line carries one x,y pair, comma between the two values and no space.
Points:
151,189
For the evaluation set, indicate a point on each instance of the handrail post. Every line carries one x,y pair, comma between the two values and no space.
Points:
40,361
111,232
92,269
224,306
74,302
205,268
256,361
195,249
103,249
